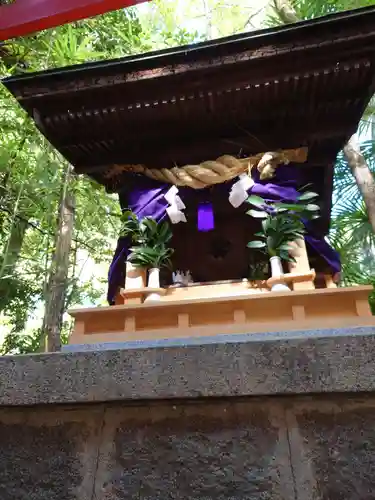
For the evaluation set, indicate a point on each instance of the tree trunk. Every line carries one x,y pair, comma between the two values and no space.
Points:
58,275
285,11
9,260
3,193
13,248
364,178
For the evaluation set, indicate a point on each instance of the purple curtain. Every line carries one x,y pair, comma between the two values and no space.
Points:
145,197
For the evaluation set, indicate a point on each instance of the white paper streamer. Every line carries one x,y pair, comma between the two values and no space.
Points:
174,211
239,191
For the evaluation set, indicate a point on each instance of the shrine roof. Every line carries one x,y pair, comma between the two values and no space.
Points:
305,84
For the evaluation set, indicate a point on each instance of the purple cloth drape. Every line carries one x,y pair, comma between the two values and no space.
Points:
145,197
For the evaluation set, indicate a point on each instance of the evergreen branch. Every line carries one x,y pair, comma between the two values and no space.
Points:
42,231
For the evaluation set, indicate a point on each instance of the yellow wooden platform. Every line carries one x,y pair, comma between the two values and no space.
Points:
210,312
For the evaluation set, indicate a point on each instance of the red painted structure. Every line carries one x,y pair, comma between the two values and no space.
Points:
24,17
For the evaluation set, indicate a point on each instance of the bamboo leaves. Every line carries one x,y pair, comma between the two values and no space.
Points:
30,185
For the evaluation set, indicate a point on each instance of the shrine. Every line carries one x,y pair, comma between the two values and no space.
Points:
211,147
254,376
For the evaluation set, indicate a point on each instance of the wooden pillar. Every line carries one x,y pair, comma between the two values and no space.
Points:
239,316
119,300
298,312
129,323
183,320
79,327
363,307
329,281
301,265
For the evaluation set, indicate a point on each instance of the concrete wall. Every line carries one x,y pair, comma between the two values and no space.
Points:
266,448
218,436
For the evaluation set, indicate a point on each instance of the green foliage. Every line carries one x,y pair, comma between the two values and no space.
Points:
21,343
351,233
150,257
152,233
116,34
372,299
130,226
170,23
112,35
282,223
30,178
307,9
17,296
150,239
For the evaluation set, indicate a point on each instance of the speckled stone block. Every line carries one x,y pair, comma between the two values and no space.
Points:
342,360
47,455
333,449
193,421
290,448
223,451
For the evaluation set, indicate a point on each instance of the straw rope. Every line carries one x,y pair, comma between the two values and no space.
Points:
221,170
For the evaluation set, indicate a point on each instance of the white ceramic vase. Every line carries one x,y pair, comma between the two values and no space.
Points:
153,282
276,271
135,277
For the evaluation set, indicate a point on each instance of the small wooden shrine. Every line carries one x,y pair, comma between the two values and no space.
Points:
180,133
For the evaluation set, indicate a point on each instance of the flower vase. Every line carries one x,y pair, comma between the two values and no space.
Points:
153,282
135,277
277,271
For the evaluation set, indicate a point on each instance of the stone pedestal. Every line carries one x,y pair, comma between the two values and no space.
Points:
200,420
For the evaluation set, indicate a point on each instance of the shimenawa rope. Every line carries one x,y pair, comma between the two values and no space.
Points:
223,169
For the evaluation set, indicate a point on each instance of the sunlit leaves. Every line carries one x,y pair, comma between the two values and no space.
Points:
351,232
30,172
307,9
